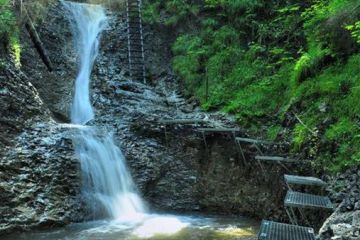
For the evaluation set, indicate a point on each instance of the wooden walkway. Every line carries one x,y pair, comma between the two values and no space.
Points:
294,201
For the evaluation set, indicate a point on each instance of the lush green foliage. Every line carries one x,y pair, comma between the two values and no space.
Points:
6,17
8,29
275,63
175,11
355,30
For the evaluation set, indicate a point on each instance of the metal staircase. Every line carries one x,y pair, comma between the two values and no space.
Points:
135,40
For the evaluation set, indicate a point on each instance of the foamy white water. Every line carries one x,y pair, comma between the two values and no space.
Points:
107,183
88,21
106,178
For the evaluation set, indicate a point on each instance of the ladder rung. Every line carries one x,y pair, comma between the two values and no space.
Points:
132,59
136,55
136,45
135,50
135,35
139,39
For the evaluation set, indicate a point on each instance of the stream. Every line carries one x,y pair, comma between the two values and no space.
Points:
154,227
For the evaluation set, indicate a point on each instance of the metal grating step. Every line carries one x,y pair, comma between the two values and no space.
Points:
302,180
281,231
305,200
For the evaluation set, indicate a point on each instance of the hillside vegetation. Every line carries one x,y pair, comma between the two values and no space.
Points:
9,34
291,67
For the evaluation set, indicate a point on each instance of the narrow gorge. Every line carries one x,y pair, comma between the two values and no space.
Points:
91,151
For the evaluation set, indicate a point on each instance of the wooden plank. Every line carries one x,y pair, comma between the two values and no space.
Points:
255,141
275,159
181,121
34,36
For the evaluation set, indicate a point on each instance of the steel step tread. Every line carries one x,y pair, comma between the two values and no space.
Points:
303,180
306,200
280,231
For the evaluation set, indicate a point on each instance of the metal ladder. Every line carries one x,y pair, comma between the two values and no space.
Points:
136,54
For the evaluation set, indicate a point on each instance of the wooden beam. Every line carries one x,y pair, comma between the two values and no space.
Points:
34,36
275,158
182,121
255,141
225,130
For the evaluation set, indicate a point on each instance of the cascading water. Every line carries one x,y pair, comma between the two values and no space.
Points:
106,179
88,23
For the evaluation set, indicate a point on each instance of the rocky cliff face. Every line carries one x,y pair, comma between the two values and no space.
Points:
344,223
39,178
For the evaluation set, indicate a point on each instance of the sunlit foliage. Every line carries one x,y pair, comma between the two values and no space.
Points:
8,30
265,61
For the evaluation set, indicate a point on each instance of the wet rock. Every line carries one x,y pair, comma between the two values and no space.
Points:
344,223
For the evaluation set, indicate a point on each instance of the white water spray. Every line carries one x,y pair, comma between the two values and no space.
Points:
107,183
88,23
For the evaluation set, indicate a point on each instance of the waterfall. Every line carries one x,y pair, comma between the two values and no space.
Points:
107,183
88,21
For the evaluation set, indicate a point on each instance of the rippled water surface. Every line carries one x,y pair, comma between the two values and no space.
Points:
154,227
